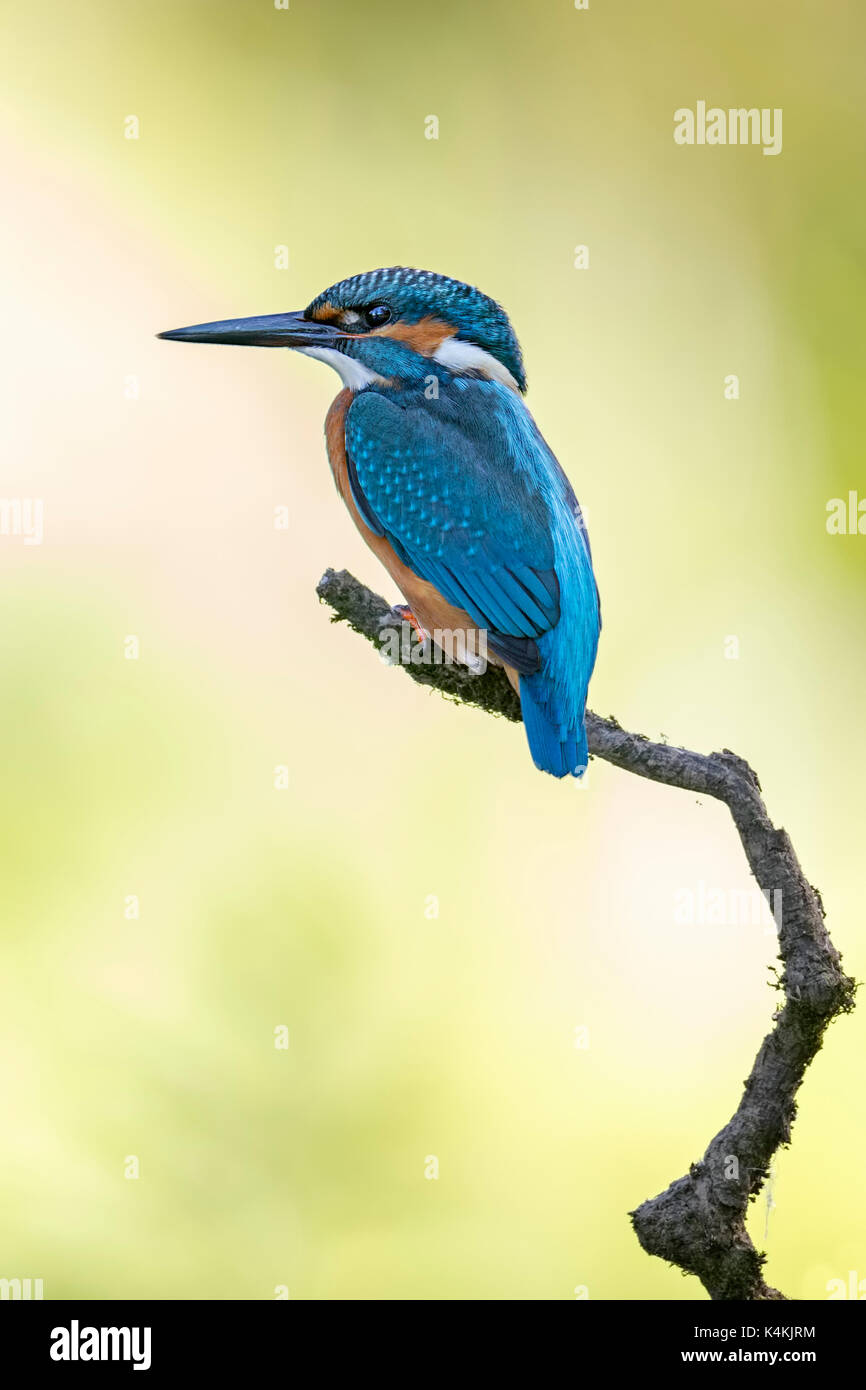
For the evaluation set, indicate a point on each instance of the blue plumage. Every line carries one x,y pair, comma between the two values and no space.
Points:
451,479
473,501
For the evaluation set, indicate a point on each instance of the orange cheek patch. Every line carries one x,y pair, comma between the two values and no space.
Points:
424,337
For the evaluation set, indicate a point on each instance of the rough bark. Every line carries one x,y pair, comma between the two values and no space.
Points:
698,1223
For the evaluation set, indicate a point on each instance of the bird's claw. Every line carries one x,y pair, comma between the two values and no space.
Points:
408,616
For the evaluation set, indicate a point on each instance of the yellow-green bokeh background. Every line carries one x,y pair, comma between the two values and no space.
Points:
306,907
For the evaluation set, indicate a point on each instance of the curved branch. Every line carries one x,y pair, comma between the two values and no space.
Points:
698,1223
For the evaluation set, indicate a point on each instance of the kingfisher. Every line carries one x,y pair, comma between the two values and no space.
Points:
450,483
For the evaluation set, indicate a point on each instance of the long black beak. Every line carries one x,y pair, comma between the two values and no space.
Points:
270,330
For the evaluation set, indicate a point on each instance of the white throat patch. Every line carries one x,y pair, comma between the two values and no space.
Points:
352,373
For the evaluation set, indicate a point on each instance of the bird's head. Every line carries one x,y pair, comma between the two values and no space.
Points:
387,325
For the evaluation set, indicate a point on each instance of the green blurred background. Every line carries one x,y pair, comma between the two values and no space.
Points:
161,467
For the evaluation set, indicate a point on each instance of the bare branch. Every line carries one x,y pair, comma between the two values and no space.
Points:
698,1223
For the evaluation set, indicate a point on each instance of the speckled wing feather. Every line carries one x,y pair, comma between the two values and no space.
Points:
447,489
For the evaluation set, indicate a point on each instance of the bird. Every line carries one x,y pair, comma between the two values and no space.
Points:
449,481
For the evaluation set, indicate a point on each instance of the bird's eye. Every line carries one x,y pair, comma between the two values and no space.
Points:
376,315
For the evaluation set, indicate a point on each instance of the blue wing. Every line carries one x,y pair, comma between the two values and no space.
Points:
447,483
472,500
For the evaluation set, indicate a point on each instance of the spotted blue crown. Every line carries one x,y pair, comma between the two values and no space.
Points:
414,294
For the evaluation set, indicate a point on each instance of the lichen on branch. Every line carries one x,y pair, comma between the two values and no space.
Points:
699,1222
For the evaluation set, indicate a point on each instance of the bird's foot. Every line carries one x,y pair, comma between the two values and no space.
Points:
409,617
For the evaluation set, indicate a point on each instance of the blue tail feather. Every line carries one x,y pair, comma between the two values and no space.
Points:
557,745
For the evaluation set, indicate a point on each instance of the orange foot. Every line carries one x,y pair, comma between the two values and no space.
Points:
409,617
